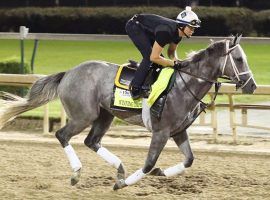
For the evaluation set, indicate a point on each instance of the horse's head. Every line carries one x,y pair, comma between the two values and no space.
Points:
235,66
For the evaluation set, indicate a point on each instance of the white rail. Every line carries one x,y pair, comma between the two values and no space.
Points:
226,89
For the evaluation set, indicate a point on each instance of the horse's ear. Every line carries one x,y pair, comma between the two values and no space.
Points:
232,39
237,41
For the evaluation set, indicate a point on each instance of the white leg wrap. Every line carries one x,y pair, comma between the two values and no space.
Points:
74,161
135,177
172,171
109,157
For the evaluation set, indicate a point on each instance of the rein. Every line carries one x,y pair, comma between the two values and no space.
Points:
217,86
203,105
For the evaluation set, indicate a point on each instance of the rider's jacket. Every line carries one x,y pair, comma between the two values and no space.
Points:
164,30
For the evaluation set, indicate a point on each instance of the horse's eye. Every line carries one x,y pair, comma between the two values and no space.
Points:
240,59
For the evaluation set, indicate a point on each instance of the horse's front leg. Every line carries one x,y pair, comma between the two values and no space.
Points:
159,140
182,141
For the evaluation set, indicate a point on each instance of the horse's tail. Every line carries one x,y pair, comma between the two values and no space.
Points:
41,92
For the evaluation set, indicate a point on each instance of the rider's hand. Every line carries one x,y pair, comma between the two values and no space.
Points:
178,64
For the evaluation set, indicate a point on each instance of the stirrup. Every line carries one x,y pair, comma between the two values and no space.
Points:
146,89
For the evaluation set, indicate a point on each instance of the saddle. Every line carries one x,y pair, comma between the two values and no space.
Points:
126,72
122,100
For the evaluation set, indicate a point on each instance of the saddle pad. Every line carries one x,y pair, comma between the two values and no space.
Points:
160,85
123,99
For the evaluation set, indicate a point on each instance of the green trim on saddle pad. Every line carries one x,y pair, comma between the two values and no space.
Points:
122,98
160,85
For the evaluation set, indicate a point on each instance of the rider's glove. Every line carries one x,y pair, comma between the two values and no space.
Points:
178,64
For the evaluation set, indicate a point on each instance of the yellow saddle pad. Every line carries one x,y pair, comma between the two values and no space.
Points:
160,85
123,99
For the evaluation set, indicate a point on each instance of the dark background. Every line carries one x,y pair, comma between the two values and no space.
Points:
252,4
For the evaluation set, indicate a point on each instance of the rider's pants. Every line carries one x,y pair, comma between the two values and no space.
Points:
144,42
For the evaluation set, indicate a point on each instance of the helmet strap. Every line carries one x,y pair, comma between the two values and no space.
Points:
183,30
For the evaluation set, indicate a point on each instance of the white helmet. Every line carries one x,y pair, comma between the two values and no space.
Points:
188,17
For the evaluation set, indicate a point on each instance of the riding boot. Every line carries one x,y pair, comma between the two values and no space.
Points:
157,108
135,92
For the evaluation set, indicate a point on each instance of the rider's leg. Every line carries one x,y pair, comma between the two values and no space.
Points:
64,135
99,128
144,44
159,140
182,141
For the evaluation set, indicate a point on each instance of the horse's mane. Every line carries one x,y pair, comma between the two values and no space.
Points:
196,55
214,48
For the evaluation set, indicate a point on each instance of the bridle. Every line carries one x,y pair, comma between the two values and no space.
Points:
240,83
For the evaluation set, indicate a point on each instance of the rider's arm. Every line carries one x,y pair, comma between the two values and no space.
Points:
172,54
156,58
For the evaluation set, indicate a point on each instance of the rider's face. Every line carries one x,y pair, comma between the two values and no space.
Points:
189,30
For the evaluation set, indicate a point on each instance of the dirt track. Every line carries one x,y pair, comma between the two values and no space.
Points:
33,170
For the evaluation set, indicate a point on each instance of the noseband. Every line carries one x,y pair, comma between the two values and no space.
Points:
240,83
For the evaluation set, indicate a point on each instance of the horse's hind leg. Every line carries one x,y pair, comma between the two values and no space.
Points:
159,140
63,135
182,141
99,128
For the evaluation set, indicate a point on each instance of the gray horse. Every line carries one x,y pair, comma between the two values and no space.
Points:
86,92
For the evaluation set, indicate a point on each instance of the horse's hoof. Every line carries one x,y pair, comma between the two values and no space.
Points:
119,184
75,177
157,172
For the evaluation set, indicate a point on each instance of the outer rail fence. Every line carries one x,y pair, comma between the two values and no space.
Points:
226,89
230,92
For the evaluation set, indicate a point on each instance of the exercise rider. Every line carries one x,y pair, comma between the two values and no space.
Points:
150,33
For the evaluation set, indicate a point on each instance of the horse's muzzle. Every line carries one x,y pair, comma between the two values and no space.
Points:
249,88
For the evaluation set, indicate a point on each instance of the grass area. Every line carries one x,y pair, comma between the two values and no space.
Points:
56,56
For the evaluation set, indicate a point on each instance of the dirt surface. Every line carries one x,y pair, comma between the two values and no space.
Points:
35,167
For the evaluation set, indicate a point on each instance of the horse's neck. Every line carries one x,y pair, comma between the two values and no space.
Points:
200,87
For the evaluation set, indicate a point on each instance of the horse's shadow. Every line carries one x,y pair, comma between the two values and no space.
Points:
96,181
153,185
